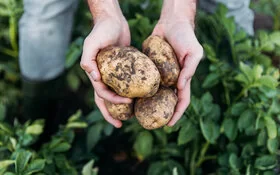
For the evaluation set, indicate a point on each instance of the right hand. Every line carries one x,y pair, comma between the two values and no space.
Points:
108,31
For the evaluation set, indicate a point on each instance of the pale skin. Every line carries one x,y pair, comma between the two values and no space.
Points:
176,25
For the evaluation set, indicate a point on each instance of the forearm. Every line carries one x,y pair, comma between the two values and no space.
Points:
182,9
101,9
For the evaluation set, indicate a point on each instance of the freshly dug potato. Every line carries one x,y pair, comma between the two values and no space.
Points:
120,111
155,112
162,54
128,72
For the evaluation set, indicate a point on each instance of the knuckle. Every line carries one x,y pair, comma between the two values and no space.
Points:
84,65
200,52
86,41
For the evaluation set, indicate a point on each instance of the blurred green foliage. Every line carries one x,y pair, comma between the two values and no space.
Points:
230,127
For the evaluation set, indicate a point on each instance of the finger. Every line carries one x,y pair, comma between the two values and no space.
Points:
124,40
88,61
101,105
183,103
158,31
188,70
104,92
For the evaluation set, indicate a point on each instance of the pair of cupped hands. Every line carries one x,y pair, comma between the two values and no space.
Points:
112,31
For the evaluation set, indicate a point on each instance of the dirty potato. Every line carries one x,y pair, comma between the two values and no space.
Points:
162,54
155,112
119,111
128,72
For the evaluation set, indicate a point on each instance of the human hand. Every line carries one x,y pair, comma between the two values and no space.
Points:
109,29
179,32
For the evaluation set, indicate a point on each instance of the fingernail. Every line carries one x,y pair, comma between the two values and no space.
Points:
93,75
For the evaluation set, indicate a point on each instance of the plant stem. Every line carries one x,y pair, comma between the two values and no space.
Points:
9,52
194,154
202,154
13,33
240,94
227,97
204,149
198,164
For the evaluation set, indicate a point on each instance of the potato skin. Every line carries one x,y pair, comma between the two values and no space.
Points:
119,111
155,112
128,72
162,54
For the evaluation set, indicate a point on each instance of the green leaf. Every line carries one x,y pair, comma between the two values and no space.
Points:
238,108
61,147
223,159
73,81
22,159
211,80
35,129
234,161
94,116
171,164
261,140
2,112
209,51
88,169
108,129
143,145
248,72
258,70
247,151
206,98
74,52
232,148
272,145
242,79
75,116
175,171
240,36
76,125
268,81
94,135
271,127
210,130
230,128
186,133
6,163
155,168
244,46
275,38
246,119
161,136
6,128
35,166
269,173
265,162
263,60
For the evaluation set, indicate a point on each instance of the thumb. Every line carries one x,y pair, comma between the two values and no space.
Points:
88,60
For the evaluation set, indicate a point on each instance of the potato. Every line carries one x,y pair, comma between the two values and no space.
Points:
128,72
155,112
162,54
119,111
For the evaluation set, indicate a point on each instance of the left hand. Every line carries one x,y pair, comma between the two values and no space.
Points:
180,35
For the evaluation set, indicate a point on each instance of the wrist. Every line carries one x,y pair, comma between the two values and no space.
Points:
179,10
103,9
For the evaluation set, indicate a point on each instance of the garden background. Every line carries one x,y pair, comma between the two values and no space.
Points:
230,127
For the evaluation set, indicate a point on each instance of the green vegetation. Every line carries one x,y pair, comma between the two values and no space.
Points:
232,125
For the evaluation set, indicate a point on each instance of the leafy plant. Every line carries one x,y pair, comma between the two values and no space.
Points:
18,157
232,127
